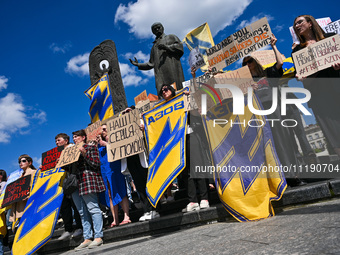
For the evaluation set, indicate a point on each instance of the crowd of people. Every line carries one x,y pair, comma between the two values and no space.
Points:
101,182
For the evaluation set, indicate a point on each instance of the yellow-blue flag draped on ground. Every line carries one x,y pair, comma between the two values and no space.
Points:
244,155
101,107
165,129
200,37
41,212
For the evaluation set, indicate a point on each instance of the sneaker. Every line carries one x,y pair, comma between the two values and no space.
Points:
204,204
170,199
65,235
77,232
95,244
143,218
82,246
191,207
152,215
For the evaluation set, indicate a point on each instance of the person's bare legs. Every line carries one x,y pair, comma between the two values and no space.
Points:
125,206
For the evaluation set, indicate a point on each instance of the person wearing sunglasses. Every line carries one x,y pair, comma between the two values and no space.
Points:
266,79
324,100
17,209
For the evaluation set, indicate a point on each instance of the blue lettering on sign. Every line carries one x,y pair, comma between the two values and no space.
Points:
167,111
51,171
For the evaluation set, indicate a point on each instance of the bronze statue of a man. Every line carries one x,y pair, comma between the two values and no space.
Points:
164,58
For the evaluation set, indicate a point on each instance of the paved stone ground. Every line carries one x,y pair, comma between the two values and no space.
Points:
303,229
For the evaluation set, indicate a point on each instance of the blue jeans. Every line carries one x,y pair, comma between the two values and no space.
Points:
90,212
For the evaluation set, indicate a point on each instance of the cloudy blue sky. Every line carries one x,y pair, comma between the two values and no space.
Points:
45,45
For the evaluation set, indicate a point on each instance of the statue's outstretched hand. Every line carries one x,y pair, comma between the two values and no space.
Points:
134,62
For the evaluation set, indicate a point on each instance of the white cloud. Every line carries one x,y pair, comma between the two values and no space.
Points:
41,117
143,13
245,23
78,65
37,161
139,55
3,82
12,117
142,58
129,76
278,28
60,48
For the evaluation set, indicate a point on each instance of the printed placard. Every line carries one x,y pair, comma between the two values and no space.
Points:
141,97
17,190
196,59
49,158
69,155
238,45
317,56
266,57
93,131
333,27
125,137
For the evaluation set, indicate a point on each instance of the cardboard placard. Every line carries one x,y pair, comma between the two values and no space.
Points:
49,158
240,78
125,137
93,131
239,44
69,155
196,59
17,190
322,22
189,103
266,57
333,27
317,56
141,97
143,106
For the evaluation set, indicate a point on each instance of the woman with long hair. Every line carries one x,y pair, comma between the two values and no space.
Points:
325,93
26,164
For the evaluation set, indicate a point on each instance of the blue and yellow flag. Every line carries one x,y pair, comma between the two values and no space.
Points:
288,68
3,226
200,37
247,170
165,129
101,107
37,224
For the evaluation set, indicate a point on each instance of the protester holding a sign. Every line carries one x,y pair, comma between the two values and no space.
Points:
3,227
26,164
324,100
114,182
195,156
90,183
3,179
67,205
266,79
